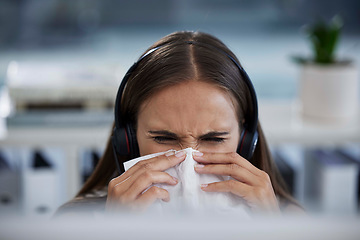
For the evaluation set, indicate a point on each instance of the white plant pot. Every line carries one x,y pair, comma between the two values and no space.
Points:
329,92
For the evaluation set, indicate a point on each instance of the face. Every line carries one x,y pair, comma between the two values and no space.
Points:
191,114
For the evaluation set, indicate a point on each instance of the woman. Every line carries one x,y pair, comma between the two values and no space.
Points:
187,90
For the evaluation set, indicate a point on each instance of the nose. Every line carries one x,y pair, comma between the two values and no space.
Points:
194,145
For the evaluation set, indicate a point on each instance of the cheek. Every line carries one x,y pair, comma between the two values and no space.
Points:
152,147
229,145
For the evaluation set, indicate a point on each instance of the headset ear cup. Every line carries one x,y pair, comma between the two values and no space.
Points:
121,141
247,144
254,141
241,144
124,143
133,144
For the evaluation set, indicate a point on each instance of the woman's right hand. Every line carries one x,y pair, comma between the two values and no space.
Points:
128,190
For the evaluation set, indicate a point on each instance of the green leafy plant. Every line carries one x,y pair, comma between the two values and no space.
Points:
324,39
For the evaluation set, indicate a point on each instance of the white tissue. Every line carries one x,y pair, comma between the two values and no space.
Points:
187,194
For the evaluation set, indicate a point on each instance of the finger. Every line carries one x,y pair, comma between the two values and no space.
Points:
128,192
232,157
146,180
151,195
134,168
238,188
256,197
233,170
159,163
116,182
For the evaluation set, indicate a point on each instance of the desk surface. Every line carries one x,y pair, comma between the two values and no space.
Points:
183,226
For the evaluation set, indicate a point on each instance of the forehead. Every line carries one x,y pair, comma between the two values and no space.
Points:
189,105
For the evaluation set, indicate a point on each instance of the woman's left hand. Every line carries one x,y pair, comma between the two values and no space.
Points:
249,182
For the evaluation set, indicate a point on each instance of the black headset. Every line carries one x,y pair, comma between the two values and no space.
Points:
124,140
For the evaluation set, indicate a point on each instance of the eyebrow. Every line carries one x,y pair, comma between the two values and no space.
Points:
214,134
164,133
173,135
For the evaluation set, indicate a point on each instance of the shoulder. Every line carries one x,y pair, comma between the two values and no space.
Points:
88,204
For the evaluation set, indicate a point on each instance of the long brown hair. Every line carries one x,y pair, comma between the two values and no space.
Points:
175,62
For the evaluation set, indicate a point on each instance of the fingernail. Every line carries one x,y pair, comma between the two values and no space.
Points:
180,154
197,154
175,179
199,165
203,185
170,153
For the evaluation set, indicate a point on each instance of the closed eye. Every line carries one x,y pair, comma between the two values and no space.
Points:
166,137
163,139
214,139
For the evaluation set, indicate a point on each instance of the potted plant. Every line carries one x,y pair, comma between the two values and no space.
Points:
328,86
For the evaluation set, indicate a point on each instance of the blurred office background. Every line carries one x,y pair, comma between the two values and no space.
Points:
61,62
